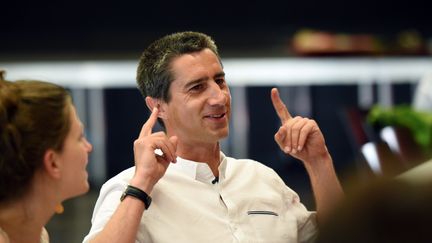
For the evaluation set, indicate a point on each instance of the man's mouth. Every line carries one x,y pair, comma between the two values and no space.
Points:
215,116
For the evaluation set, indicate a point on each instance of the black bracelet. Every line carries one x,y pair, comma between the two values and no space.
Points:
137,193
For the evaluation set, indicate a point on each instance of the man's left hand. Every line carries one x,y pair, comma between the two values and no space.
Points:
298,136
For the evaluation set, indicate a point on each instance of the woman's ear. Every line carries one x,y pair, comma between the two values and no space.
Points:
152,102
51,164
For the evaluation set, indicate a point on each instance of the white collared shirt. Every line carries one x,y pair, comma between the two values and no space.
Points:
250,203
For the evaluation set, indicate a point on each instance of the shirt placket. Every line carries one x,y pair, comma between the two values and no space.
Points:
231,214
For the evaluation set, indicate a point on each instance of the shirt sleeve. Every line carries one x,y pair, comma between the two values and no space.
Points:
308,232
307,226
106,204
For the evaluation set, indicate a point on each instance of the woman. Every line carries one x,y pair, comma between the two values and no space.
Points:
43,157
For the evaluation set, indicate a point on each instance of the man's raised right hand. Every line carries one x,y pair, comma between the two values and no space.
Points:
150,166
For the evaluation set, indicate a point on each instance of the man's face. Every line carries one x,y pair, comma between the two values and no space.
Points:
199,109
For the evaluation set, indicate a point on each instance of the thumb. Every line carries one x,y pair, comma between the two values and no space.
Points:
282,132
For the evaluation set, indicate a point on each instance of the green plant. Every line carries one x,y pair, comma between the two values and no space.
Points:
419,123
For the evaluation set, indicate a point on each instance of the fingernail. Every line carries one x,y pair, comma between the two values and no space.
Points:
299,148
294,151
287,149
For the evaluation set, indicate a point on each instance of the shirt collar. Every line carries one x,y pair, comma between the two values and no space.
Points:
199,171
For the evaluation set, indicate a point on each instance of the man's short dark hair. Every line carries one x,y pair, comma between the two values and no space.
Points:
154,74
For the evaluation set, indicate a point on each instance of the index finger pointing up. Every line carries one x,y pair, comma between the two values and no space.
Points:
279,106
149,124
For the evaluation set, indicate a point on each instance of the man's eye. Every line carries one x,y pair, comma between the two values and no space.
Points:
197,87
220,81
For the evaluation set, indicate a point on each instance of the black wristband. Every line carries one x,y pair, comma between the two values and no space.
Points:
137,193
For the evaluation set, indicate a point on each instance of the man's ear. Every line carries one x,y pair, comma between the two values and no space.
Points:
51,164
152,102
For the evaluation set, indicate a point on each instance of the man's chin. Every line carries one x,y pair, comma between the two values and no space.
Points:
223,135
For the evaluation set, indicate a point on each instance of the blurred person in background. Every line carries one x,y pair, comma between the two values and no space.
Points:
387,209
183,188
422,102
43,157
383,210
423,94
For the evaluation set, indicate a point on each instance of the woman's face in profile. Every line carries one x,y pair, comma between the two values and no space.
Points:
74,159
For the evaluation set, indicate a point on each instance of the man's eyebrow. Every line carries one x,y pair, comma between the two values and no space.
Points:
193,82
200,80
220,75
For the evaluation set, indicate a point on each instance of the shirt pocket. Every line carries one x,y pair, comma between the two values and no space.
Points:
269,225
261,212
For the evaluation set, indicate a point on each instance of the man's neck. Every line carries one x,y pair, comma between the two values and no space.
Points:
206,153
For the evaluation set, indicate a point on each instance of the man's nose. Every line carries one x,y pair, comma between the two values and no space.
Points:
218,95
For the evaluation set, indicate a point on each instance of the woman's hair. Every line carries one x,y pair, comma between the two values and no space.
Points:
34,117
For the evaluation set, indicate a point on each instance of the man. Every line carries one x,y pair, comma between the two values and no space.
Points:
203,195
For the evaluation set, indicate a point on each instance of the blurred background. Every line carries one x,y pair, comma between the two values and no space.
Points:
332,61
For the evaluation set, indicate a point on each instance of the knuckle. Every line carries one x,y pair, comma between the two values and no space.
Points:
137,142
297,126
